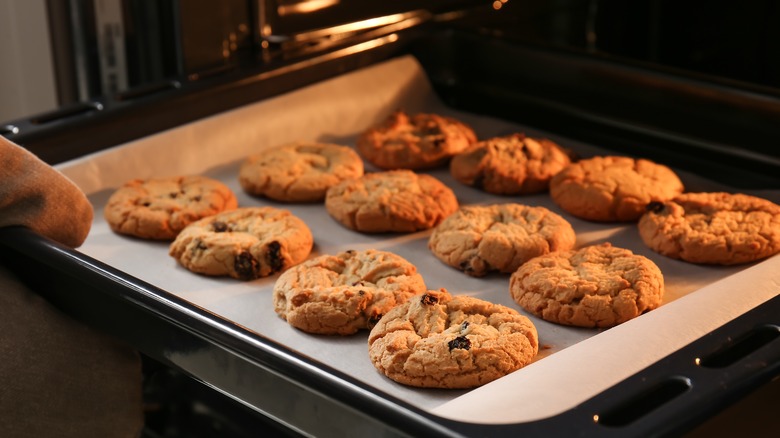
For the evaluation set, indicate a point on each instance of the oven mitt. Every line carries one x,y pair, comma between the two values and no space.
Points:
58,377
35,195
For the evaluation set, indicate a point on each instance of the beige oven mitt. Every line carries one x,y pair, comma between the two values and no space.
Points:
58,377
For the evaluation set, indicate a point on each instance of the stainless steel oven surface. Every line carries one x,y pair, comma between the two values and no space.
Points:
713,340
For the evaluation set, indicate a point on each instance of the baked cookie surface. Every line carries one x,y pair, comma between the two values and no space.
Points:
611,188
509,165
501,237
299,172
713,228
246,243
596,286
159,208
391,201
436,340
343,293
419,141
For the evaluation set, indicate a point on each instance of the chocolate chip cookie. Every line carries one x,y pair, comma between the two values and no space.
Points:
299,172
414,142
392,201
596,286
510,165
343,293
160,208
613,189
478,239
246,243
436,340
713,228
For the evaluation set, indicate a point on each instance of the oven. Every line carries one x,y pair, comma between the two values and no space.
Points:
206,86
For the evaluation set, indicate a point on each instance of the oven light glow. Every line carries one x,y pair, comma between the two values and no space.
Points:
697,361
306,6
596,418
497,4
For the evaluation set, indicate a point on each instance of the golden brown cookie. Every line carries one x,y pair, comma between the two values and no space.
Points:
713,228
160,208
609,188
414,142
299,172
392,201
246,243
510,165
436,340
343,293
596,286
478,239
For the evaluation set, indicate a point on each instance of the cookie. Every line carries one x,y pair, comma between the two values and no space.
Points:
436,340
420,141
712,228
596,286
479,239
246,243
343,293
391,201
509,165
299,172
613,189
160,208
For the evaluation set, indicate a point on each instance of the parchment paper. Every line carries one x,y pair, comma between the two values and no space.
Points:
573,365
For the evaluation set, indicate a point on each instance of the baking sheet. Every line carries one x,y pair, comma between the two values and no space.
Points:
573,364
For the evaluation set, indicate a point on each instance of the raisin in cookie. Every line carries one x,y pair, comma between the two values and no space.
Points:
596,286
609,188
479,239
510,165
437,340
246,243
414,142
713,228
160,208
299,172
392,201
343,293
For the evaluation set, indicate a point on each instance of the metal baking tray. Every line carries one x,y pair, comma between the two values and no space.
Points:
714,338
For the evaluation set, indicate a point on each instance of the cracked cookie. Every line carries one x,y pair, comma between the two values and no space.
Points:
343,293
501,237
509,165
419,141
392,201
436,340
712,228
299,172
246,243
613,189
160,208
596,286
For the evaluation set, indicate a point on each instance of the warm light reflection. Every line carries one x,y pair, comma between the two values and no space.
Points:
596,418
497,4
305,6
697,361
